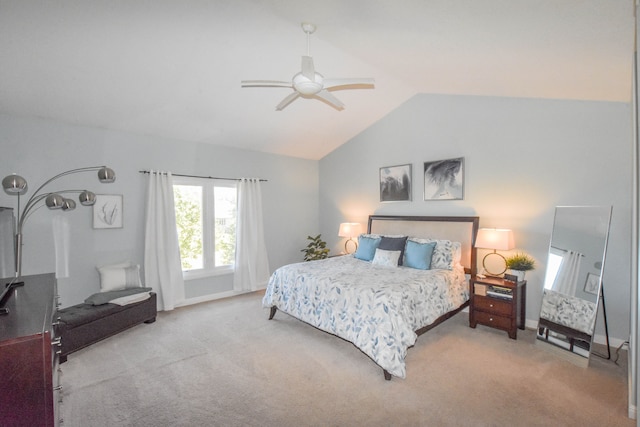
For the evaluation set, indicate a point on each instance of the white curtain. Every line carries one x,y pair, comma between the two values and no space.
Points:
7,243
61,244
567,279
252,264
162,265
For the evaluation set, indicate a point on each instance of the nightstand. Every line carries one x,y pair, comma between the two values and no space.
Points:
497,303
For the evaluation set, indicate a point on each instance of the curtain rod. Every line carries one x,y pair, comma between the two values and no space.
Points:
567,250
205,177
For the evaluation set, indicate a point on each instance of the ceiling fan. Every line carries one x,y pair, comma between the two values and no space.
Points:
310,84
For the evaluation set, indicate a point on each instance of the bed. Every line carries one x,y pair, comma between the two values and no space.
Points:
375,304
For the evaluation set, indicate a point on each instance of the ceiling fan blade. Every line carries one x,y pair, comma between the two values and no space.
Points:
307,68
265,83
288,100
354,83
330,99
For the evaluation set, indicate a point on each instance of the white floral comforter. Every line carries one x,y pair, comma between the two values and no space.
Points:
567,310
376,308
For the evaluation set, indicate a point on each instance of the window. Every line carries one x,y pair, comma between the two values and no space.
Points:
553,267
206,222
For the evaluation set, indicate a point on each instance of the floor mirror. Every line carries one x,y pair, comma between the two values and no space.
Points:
573,281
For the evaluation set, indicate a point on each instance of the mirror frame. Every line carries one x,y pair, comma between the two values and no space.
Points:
558,309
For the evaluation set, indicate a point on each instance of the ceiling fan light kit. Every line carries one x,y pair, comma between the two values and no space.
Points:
310,84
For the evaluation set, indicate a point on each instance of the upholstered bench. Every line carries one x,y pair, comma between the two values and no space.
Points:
85,324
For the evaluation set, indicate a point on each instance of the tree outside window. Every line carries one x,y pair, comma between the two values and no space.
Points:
206,224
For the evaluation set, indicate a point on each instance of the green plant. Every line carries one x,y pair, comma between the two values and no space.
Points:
316,249
521,262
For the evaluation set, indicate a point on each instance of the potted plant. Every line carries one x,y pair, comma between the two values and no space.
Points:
316,249
519,263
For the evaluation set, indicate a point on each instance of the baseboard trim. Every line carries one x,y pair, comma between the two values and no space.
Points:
213,297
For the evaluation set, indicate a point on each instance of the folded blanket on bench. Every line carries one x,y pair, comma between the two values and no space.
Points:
110,296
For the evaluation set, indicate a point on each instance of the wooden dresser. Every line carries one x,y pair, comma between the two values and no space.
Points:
29,350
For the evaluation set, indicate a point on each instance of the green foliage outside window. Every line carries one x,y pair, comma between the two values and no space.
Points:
225,225
225,242
189,224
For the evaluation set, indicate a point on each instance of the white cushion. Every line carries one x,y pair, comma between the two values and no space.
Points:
386,258
120,276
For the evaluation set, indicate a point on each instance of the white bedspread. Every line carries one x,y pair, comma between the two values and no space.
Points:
376,308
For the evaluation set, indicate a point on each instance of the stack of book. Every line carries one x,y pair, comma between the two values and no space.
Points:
500,292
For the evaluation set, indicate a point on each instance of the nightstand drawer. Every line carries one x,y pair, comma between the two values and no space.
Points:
492,305
493,320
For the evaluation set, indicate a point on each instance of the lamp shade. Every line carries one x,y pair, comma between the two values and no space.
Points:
106,175
87,198
68,205
14,184
495,238
349,229
54,201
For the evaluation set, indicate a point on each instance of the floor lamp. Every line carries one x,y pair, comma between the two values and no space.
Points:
15,185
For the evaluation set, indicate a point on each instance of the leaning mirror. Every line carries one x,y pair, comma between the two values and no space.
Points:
573,281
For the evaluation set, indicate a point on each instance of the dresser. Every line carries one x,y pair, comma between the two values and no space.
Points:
30,390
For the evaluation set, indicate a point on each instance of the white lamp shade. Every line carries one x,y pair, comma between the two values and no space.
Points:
349,229
495,238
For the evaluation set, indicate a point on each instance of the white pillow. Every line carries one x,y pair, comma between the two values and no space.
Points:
386,258
120,276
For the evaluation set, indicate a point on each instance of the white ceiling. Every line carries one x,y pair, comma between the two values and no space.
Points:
172,68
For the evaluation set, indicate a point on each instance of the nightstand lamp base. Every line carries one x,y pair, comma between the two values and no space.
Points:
350,230
346,246
490,272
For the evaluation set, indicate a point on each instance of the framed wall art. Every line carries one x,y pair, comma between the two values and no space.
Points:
395,183
591,284
107,211
444,179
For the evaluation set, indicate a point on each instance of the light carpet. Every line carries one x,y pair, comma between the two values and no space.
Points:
222,363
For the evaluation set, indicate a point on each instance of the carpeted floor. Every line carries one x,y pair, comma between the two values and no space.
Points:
223,363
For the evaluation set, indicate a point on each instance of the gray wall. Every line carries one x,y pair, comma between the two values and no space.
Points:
523,157
38,149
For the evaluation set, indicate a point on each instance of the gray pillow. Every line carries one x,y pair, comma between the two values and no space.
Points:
393,244
104,297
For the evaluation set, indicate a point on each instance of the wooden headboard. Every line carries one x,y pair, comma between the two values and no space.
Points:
461,229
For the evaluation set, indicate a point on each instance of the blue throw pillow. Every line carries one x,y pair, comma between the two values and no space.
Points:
367,247
393,244
418,255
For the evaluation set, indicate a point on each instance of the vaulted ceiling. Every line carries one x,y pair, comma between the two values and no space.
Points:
172,68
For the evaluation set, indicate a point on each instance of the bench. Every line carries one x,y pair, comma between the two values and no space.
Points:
84,324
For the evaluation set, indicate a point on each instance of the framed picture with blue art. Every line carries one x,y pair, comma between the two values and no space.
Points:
444,179
107,211
395,183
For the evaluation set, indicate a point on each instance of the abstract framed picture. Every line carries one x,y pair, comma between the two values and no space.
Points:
444,179
395,183
591,284
107,211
